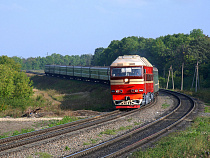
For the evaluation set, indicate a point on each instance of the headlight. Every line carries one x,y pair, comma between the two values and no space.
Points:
126,80
136,90
117,91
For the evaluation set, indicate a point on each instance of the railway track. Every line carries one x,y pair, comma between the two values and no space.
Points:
9,143
137,137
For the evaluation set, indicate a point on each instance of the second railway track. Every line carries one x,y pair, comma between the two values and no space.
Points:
135,138
17,141
121,144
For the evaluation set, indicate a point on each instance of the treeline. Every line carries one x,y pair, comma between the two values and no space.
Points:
38,63
165,51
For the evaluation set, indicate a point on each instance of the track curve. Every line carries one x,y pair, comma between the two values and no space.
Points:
137,137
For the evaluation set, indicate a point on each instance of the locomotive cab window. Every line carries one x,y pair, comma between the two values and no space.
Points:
126,71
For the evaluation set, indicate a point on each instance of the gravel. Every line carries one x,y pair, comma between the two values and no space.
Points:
70,143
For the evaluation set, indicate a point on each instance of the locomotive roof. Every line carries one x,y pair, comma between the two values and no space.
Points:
131,60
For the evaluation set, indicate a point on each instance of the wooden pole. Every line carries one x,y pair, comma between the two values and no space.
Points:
193,78
168,79
196,84
172,76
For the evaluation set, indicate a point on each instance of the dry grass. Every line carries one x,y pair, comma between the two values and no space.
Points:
74,95
60,97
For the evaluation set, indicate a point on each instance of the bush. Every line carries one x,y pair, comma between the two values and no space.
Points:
15,87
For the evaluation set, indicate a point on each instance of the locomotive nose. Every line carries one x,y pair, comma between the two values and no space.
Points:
127,98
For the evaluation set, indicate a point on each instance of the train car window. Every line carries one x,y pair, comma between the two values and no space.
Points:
126,71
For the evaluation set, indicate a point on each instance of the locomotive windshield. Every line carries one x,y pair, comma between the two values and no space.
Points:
126,71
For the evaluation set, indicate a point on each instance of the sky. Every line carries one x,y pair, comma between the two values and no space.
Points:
32,28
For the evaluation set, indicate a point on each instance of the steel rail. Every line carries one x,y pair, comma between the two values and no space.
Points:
140,142
155,124
28,138
72,126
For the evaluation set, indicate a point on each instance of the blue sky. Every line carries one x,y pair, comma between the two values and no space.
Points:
32,28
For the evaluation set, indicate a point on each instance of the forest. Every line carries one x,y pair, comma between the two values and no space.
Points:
177,50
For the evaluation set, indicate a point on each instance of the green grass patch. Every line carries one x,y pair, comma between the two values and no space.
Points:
14,133
86,143
125,128
129,120
67,148
51,123
43,155
165,105
66,119
207,109
109,132
114,131
93,141
193,142
137,123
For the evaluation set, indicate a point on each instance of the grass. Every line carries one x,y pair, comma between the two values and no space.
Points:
202,94
114,131
86,143
60,96
14,133
207,109
125,128
109,132
193,142
137,123
129,120
165,105
67,148
46,124
93,141
39,71
75,95
65,119
43,155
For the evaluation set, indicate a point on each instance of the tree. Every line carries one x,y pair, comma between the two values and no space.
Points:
9,62
197,33
15,86
6,81
96,59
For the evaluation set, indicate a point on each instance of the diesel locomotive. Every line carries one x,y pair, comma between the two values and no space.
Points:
133,80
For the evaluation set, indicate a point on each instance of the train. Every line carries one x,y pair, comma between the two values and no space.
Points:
96,74
133,79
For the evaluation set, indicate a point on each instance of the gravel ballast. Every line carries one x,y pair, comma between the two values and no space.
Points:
70,143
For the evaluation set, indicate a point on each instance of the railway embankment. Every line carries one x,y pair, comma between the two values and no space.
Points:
92,136
65,145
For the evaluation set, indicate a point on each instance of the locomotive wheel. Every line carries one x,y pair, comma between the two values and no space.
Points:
144,100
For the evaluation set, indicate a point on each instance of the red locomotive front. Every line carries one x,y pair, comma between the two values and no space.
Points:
131,81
